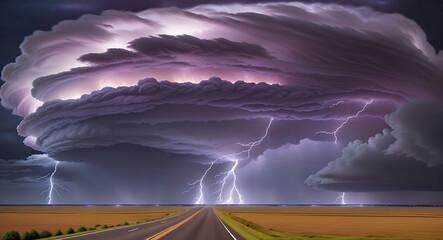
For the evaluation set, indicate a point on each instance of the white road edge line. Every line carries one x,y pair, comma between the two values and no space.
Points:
163,222
82,235
224,225
135,229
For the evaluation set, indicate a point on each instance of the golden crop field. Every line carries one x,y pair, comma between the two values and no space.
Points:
51,218
392,222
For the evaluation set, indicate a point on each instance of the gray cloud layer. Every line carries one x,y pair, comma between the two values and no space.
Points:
185,117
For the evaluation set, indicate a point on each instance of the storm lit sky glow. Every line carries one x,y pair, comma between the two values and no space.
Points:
155,96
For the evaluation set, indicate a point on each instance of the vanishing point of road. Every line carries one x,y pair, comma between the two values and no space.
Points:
195,224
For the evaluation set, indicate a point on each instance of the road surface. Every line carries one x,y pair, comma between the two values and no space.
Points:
195,224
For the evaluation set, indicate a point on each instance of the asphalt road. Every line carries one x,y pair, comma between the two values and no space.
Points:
195,224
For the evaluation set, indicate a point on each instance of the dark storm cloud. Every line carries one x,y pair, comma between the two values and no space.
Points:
29,170
145,112
407,158
313,45
390,59
319,54
418,130
113,54
183,44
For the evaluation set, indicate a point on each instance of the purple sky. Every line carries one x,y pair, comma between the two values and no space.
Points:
147,102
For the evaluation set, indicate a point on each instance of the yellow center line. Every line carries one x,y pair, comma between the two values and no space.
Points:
172,228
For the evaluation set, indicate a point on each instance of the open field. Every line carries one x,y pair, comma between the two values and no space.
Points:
389,222
51,218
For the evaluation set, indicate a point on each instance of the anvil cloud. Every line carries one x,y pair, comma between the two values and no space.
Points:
194,82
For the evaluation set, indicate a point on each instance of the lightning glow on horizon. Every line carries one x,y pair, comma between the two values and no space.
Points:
344,122
228,174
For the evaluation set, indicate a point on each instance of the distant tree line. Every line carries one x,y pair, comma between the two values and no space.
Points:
33,234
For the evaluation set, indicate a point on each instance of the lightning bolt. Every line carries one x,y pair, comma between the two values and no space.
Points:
51,182
342,197
256,143
234,188
229,174
337,103
200,199
52,185
344,123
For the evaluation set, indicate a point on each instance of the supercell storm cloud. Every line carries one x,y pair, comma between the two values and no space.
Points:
192,83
